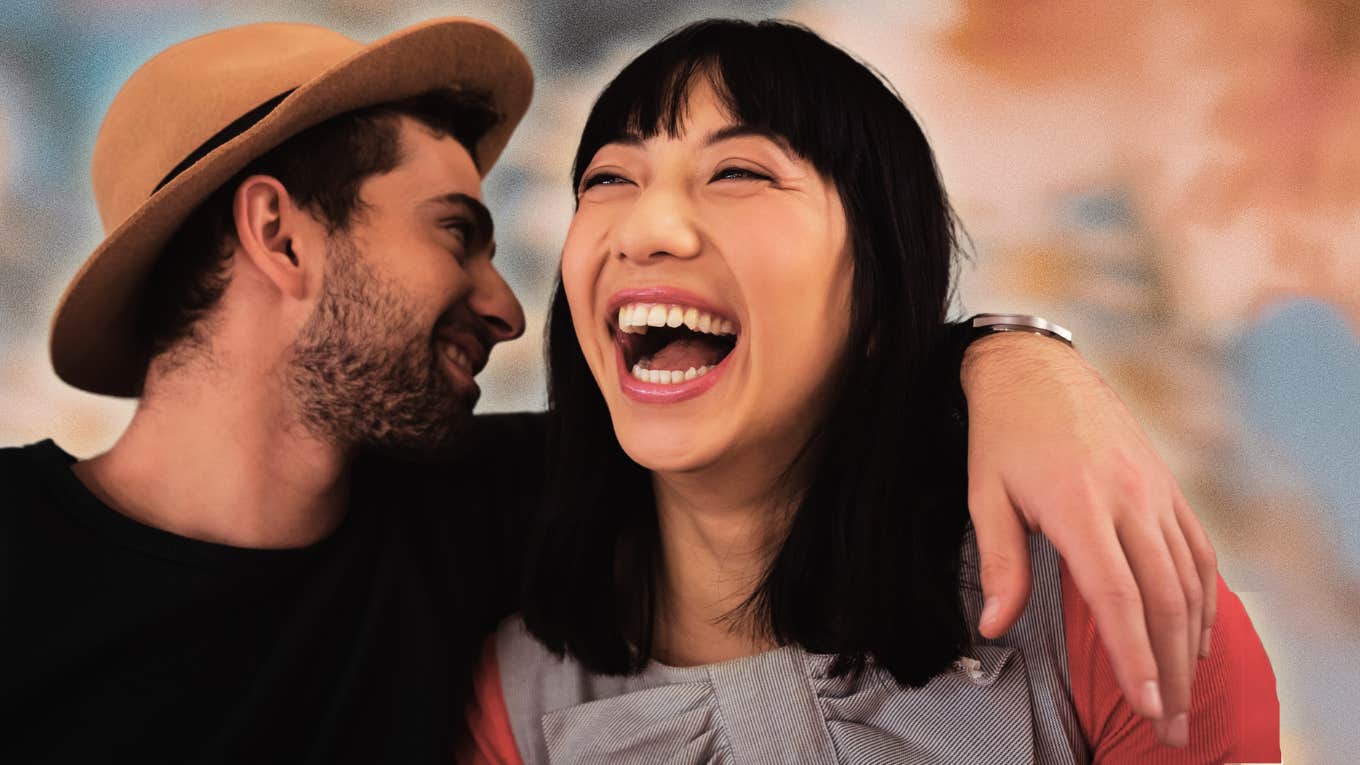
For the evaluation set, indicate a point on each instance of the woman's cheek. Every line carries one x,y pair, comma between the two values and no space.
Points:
578,283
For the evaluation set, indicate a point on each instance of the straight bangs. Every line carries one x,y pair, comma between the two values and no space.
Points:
759,76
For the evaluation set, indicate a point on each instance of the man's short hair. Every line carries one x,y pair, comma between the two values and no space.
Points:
322,168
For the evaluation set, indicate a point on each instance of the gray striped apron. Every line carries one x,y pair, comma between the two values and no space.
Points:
1008,703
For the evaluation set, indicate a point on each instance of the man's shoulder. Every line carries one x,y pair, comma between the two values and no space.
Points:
509,429
501,446
16,451
26,465
496,453
28,475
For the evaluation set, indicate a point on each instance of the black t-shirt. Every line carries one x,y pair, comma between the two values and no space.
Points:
125,643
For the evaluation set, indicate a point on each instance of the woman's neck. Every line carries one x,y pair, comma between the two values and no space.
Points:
716,547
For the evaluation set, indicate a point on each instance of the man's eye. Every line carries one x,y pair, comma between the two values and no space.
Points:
602,179
738,174
462,228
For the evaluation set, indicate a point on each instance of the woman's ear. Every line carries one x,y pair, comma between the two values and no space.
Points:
275,234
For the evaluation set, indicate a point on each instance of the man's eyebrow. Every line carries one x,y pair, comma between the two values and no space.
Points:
750,131
485,227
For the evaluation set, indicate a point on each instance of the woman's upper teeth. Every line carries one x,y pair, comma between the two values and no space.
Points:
637,317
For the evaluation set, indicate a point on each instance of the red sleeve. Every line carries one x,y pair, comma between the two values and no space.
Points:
1234,712
492,741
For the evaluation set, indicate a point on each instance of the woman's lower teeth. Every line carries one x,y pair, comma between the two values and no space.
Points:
668,376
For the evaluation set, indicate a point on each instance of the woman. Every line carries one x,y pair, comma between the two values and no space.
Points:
757,546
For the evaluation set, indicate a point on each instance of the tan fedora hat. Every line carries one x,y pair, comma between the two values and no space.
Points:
197,113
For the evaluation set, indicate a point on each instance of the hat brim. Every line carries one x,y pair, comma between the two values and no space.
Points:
94,339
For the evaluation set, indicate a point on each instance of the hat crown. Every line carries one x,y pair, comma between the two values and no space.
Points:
188,93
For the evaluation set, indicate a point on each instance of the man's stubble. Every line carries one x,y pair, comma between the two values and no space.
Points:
363,374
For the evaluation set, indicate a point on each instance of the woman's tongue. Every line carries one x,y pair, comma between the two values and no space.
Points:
683,354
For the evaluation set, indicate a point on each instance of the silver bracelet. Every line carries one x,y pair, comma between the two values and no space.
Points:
990,323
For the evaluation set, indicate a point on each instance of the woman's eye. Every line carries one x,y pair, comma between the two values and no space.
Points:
738,174
602,179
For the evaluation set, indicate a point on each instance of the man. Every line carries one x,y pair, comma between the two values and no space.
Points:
298,271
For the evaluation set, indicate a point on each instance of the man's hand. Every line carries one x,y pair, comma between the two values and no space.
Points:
1051,448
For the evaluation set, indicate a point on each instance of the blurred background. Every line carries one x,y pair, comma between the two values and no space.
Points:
1177,181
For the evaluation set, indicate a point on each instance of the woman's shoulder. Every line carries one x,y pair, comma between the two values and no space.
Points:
537,681
533,684
1038,638
1234,713
1234,709
516,682
1039,633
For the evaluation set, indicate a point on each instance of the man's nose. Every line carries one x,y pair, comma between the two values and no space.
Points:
495,304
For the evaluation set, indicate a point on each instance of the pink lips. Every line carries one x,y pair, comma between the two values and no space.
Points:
659,393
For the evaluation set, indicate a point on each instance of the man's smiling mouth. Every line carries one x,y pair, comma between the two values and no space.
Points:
671,343
462,349
455,354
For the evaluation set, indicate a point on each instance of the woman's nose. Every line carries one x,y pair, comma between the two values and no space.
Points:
659,223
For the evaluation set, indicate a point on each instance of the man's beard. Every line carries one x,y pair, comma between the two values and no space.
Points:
363,374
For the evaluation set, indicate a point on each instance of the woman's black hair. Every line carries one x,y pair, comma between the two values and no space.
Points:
869,566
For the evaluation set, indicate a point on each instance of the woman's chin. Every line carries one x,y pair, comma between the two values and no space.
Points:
667,452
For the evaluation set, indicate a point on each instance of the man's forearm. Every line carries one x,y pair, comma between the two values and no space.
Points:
1017,355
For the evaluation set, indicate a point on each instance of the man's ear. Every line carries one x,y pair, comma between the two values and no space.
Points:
276,235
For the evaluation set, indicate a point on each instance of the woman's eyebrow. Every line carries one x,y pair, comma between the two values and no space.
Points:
746,131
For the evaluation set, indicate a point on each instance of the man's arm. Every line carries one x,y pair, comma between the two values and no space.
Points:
1052,449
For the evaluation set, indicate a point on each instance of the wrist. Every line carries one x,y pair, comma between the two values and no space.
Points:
1009,358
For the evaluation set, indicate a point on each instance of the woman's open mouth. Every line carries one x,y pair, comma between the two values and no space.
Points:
670,351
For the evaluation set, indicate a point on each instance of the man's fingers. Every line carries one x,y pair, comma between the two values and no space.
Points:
1104,577
1003,553
1163,595
1189,576
1206,563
